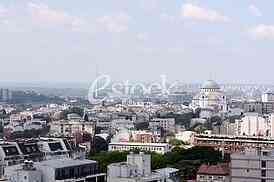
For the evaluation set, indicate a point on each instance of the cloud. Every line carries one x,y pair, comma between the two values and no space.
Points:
254,10
41,14
115,23
262,32
202,14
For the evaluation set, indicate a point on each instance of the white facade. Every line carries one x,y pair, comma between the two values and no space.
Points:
185,136
210,97
66,170
252,124
268,97
161,148
25,173
255,125
137,168
70,127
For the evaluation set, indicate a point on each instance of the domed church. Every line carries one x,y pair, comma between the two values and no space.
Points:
210,97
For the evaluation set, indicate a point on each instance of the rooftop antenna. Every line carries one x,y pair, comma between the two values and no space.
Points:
96,74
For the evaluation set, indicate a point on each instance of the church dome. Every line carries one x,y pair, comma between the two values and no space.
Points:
210,84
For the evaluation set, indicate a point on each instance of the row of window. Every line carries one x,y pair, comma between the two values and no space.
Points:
203,177
137,147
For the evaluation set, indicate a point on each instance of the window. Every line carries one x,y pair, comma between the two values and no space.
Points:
263,164
263,173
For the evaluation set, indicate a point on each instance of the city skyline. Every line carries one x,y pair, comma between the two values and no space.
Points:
190,41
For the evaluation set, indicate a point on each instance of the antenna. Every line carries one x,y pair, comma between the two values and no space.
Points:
96,74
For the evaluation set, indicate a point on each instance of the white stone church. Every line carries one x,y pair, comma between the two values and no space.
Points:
210,97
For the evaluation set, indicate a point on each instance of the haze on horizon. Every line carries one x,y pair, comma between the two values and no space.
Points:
187,40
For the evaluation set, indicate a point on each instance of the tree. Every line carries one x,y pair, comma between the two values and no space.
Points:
106,158
176,142
186,160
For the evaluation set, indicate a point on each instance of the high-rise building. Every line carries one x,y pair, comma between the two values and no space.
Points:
253,166
5,95
268,97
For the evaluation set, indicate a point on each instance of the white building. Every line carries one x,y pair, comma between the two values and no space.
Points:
254,125
55,148
25,173
137,168
210,97
185,136
69,127
252,166
161,148
65,170
268,97
122,123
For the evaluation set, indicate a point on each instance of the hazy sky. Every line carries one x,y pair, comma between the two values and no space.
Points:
192,40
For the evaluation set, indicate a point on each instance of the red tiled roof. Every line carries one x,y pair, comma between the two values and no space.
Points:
219,169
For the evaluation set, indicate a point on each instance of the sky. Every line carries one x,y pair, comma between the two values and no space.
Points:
140,40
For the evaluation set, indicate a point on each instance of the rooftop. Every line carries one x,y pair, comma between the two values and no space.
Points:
210,84
219,169
64,163
137,144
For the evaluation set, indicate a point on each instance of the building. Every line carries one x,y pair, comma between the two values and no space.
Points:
232,143
142,136
5,95
160,148
70,127
26,173
268,107
254,165
258,107
179,98
227,128
253,106
137,168
56,148
14,153
122,123
210,97
10,153
268,97
74,116
168,124
254,125
185,136
64,170
216,173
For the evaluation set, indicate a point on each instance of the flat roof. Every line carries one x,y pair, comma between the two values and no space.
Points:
138,144
64,163
167,170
